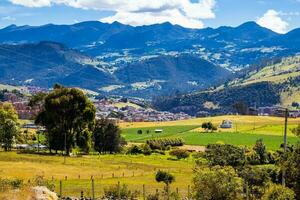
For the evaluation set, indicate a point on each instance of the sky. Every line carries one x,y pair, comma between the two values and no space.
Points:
278,15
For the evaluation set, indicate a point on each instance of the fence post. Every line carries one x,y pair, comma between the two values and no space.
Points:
93,189
247,191
144,192
177,191
60,189
119,190
188,192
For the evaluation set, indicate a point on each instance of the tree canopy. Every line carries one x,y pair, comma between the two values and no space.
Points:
66,113
8,125
107,137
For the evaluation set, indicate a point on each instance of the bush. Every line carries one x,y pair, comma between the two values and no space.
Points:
142,149
223,155
134,150
217,183
257,180
113,192
164,142
278,192
6,184
146,149
162,176
153,197
180,153
140,131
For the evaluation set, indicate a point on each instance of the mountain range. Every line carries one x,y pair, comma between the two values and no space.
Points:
136,61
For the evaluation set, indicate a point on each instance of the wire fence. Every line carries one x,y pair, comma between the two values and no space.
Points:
95,188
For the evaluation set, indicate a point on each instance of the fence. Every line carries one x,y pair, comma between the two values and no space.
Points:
94,188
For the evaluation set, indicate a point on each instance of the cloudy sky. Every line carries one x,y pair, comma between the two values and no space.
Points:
278,15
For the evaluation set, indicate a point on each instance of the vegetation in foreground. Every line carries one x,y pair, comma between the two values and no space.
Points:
222,171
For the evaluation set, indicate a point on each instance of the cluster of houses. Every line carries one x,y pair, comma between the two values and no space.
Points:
108,109
275,111
20,103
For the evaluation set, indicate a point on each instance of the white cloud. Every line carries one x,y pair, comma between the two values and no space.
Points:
8,18
140,12
272,20
32,3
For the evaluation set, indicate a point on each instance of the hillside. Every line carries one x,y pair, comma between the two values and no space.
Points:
275,84
46,63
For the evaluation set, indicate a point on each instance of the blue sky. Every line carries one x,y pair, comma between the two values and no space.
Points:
278,15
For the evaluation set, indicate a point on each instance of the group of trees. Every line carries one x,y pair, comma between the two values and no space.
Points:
69,119
208,126
228,173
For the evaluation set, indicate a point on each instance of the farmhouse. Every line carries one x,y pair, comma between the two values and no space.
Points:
226,124
158,131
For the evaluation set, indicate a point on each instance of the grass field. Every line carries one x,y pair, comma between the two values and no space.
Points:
246,130
25,166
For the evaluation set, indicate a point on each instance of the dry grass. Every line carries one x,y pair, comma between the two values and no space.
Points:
144,167
242,120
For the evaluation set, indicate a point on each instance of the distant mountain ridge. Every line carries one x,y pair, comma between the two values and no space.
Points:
126,60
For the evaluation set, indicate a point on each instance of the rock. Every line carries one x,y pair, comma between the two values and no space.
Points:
43,193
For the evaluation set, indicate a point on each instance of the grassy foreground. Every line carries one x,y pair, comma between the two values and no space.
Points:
106,170
246,130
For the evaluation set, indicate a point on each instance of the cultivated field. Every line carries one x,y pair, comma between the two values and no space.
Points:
246,130
105,169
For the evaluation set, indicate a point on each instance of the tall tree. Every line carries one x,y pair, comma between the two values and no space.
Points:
66,113
8,125
107,137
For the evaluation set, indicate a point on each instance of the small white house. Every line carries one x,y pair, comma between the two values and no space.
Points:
158,131
226,124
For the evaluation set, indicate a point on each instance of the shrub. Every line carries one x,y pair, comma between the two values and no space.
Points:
119,192
134,150
261,151
142,149
217,183
140,131
180,153
6,184
223,155
278,192
146,149
164,142
153,197
162,176
257,180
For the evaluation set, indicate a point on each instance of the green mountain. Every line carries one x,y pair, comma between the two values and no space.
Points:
274,84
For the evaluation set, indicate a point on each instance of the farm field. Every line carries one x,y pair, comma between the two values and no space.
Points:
245,131
106,170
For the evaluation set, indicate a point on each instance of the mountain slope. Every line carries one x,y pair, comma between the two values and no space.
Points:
46,63
267,86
